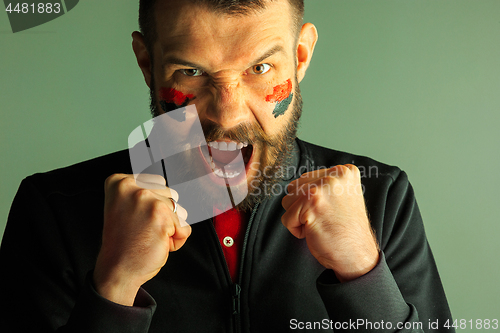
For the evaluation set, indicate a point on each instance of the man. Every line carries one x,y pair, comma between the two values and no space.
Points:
341,249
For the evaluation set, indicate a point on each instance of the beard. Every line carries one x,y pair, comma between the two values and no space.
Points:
275,151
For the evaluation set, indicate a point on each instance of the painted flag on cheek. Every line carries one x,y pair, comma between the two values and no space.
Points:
171,99
282,95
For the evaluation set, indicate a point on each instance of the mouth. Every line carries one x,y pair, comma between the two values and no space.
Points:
228,160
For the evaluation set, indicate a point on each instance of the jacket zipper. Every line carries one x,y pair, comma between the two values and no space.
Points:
245,241
237,316
235,287
236,290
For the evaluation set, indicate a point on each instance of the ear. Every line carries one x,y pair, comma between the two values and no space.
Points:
142,55
305,48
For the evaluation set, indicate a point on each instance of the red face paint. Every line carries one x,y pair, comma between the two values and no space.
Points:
282,95
280,92
171,99
171,95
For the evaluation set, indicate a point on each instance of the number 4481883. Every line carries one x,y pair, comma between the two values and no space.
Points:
41,8
463,324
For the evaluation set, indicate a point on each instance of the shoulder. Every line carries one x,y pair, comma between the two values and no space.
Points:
321,157
80,177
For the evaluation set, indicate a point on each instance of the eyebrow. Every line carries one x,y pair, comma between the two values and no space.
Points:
171,60
272,51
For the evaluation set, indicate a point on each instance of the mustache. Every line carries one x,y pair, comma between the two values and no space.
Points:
252,133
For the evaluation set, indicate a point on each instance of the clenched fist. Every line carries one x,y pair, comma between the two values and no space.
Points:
140,229
327,208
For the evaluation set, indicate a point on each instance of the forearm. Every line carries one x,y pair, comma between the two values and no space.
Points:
372,298
94,313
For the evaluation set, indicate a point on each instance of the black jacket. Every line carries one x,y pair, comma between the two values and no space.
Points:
53,236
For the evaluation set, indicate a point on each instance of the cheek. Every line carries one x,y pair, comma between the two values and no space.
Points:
171,99
282,97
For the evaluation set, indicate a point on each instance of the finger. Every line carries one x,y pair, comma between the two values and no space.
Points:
182,232
337,171
306,178
181,212
169,193
149,186
150,178
290,198
305,191
160,190
291,220
354,170
113,179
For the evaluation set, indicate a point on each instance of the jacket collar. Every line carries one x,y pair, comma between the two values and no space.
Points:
298,162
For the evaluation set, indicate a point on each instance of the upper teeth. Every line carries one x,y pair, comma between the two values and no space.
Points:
231,145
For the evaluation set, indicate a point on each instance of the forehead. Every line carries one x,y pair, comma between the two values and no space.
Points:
187,28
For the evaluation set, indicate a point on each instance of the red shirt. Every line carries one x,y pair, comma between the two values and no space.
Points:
230,227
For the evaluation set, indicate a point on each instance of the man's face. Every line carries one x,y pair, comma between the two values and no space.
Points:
240,72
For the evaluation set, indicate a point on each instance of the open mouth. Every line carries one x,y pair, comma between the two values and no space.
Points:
228,159
224,159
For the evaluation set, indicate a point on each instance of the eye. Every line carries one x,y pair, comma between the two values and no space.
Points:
192,72
261,68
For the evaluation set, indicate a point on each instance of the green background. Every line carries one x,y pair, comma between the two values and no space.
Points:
413,83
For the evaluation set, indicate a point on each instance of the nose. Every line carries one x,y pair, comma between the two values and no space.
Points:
228,107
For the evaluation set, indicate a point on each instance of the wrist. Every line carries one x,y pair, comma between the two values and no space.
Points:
348,272
116,289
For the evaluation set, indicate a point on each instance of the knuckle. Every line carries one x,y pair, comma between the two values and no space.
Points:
333,172
111,179
353,169
141,194
125,183
340,171
159,208
330,180
314,189
316,199
343,169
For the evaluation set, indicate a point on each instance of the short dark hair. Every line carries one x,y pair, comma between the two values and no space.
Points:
236,7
